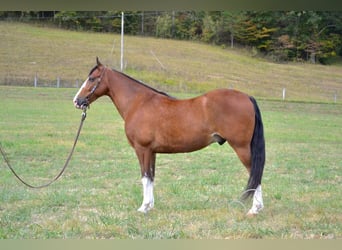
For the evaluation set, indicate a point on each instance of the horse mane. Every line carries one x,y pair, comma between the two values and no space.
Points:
143,84
92,70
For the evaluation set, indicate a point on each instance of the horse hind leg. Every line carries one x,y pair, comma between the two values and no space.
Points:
258,203
244,154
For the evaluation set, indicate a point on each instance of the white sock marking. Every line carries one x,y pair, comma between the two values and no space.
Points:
258,203
148,201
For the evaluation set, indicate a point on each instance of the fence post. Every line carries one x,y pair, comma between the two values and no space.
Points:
122,41
35,80
284,93
58,81
335,96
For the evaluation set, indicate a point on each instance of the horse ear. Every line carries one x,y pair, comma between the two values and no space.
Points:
98,62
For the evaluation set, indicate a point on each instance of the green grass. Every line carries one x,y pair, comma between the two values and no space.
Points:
190,67
196,194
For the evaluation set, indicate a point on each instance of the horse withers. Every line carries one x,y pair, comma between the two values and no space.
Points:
158,123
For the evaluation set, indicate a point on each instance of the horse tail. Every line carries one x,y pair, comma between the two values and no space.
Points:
257,153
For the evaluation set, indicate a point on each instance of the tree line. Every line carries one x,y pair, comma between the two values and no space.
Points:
314,36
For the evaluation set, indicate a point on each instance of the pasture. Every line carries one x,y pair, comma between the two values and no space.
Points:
196,194
192,67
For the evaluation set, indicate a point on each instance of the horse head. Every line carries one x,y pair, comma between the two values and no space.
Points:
92,88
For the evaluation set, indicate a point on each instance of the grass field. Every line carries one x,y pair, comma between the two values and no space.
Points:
192,67
196,194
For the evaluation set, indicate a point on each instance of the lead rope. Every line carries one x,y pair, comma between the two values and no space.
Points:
84,115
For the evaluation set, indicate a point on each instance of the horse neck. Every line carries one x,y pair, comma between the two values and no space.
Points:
126,92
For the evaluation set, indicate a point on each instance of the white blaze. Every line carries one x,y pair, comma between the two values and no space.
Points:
79,91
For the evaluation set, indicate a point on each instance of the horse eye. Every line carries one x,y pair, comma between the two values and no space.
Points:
91,79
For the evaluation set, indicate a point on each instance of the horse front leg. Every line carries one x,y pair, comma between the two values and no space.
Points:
147,166
148,200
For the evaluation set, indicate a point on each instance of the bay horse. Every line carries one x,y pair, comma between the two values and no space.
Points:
158,123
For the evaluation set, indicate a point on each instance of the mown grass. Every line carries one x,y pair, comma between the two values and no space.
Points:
187,66
196,194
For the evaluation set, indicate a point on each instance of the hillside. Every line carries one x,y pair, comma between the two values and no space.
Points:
170,65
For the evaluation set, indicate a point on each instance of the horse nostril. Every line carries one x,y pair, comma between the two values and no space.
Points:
81,102
77,103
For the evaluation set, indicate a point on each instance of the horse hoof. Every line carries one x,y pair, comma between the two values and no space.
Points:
254,212
251,214
142,210
145,208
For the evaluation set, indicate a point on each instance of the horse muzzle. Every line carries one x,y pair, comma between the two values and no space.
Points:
81,103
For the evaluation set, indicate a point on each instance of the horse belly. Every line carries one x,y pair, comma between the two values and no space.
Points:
181,139
173,146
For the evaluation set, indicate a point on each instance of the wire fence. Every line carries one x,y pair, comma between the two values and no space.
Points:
326,94
36,81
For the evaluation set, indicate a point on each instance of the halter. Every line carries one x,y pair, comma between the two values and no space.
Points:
92,79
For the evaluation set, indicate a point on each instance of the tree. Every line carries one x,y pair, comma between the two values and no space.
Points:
164,26
319,35
255,32
68,19
209,29
231,24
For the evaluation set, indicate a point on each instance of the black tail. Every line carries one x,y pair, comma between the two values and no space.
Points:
257,152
